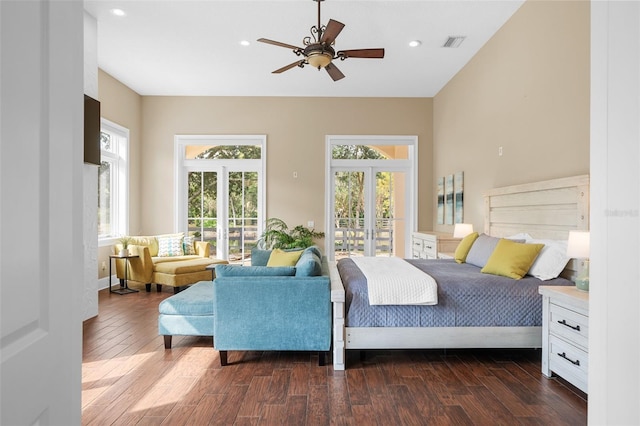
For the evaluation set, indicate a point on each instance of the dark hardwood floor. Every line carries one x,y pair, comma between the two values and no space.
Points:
128,378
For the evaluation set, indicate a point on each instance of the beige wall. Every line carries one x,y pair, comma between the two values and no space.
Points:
123,106
295,129
527,90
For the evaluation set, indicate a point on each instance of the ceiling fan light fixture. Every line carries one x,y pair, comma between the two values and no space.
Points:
319,59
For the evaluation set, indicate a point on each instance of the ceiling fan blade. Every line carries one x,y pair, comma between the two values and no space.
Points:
277,43
288,67
362,53
334,72
332,31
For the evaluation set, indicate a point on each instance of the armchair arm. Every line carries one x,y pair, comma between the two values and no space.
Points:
203,248
140,268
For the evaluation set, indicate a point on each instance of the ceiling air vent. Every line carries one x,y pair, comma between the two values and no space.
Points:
453,41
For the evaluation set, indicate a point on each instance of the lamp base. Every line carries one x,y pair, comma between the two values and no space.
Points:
582,284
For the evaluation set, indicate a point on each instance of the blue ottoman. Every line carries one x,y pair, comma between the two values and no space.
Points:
188,313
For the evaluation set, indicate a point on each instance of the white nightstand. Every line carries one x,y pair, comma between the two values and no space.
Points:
429,244
565,334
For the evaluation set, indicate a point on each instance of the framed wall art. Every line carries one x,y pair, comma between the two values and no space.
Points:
440,191
458,191
448,200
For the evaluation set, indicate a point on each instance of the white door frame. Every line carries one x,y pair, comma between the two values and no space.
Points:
409,166
183,166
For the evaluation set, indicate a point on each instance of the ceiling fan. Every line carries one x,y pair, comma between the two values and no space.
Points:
319,52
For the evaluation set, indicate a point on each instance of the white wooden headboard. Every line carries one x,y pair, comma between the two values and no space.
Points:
547,209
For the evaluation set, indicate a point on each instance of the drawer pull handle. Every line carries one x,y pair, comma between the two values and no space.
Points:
564,322
429,247
564,355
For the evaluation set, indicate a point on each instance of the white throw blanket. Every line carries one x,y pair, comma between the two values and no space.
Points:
393,281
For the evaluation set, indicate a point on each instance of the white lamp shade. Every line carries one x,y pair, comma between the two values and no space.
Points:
578,244
461,230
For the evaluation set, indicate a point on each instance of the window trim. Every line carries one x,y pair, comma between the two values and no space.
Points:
121,180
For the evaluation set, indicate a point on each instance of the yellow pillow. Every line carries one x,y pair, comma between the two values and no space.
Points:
511,259
284,258
464,246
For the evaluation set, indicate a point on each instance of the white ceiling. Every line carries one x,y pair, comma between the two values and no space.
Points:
192,48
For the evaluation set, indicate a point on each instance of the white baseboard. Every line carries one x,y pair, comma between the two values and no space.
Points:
104,282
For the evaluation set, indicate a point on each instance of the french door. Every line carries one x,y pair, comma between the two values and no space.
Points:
369,216
370,195
222,209
220,192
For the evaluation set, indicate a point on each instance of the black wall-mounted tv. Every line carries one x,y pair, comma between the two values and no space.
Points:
91,130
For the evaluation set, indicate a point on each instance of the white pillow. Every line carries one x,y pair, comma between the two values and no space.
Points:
551,260
521,236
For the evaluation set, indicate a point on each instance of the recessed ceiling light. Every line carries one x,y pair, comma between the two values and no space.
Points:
415,43
245,43
118,12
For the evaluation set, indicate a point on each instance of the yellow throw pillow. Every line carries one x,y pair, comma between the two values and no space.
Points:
464,246
284,258
511,259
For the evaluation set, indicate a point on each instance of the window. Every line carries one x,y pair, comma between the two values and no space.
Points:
113,182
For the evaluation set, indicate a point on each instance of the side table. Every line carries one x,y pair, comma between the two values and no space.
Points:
565,334
124,288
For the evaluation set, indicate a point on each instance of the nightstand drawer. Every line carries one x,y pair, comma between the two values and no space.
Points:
430,249
570,325
569,362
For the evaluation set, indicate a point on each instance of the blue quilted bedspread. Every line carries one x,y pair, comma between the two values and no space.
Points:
466,298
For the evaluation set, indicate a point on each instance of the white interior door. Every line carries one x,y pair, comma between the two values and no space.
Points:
41,220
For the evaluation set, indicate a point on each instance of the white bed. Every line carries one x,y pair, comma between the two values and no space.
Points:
545,210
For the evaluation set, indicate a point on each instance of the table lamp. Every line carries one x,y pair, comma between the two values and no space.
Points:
578,247
461,230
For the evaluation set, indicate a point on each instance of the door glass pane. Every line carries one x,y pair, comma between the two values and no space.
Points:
105,225
220,152
202,206
243,215
369,152
389,214
349,214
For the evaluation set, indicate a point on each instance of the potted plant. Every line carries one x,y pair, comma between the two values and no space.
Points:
277,234
124,241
